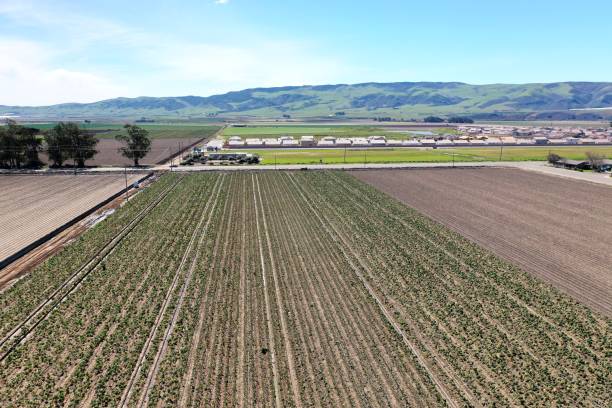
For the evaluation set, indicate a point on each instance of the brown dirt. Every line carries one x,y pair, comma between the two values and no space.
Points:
38,255
108,152
33,206
554,228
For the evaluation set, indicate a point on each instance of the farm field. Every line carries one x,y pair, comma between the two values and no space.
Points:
423,155
161,150
290,289
166,141
554,228
269,131
156,131
33,206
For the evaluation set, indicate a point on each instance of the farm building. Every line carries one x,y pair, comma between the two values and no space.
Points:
360,142
428,142
327,141
508,140
572,140
254,142
235,143
307,141
411,143
377,141
288,141
540,140
271,142
214,145
445,143
343,142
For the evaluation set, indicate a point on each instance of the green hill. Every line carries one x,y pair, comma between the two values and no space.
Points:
407,100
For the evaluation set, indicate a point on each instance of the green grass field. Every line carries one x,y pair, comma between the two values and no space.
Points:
320,131
420,155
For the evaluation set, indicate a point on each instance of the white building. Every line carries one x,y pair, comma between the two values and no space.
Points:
327,141
411,143
254,142
271,142
307,141
214,145
360,142
343,142
235,141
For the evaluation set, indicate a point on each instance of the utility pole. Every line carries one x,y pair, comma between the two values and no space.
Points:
501,150
74,162
344,154
365,157
127,195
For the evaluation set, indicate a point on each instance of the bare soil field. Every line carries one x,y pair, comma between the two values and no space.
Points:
557,229
108,152
32,206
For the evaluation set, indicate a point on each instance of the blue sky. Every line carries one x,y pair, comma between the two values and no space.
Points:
82,51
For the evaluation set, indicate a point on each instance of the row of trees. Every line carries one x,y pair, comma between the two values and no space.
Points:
20,146
453,119
67,141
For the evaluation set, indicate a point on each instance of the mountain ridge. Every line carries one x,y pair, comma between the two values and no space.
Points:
556,100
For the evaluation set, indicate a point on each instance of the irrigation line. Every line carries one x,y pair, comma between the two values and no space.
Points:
38,315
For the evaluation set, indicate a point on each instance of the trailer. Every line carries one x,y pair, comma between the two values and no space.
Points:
231,158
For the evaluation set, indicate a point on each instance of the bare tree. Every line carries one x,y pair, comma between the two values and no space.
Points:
554,158
596,160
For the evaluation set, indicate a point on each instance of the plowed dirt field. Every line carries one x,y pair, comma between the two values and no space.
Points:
32,206
557,229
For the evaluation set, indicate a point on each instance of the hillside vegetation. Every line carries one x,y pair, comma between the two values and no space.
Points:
407,100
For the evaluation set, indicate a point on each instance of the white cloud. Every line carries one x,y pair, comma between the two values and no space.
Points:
28,78
221,1
145,63
218,68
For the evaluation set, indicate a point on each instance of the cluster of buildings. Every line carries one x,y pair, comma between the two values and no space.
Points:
529,132
236,142
309,141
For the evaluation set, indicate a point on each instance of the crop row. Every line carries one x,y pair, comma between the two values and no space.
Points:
37,286
300,289
493,333
85,350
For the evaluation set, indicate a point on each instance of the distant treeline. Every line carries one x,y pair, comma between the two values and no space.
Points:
429,119
66,142
454,119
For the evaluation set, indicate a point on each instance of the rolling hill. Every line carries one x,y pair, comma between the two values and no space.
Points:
407,100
